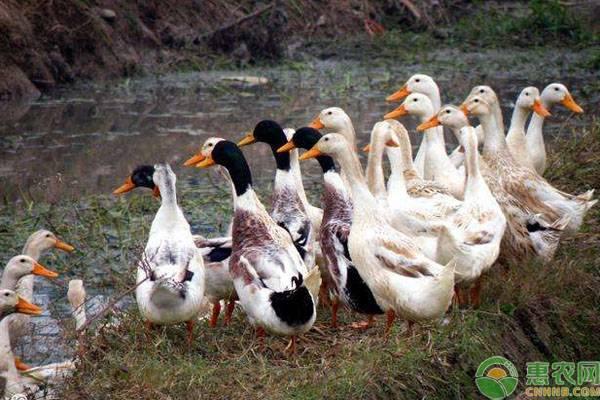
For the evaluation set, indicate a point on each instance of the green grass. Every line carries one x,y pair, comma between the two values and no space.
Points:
530,312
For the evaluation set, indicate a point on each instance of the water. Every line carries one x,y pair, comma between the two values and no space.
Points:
85,139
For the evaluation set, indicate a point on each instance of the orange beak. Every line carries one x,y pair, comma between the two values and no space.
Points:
399,94
248,139
312,153
40,270
156,191
207,162
194,160
367,148
432,122
20,365
126,187
59,244
539,109
25,307
568,102
286,147
316,123
464,109
398,112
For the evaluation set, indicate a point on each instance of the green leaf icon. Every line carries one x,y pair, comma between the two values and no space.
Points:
490,388
509,383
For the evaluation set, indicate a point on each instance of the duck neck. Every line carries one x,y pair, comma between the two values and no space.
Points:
519,117
474,177
396,184
535,137
366,205
9,279
8,371
405,152
347,130
79,315
32,250
498,118
375,177
297,172
494,137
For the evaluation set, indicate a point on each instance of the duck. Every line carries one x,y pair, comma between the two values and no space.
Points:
438,166
563,205
15,272
471,236
76,295
515,138
170,274
287,208
349,287
275,287
533,229
216,253
11,303
554,93
403,281
426,85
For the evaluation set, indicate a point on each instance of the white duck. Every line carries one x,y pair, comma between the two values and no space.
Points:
533,229
424,84
335,119
438,166
10,303
472,235
403,281
16,271
515,138
170,273
275,287
554,93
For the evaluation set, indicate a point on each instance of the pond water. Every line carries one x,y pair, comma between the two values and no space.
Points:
85,139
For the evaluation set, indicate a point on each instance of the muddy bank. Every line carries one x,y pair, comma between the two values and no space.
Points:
47,42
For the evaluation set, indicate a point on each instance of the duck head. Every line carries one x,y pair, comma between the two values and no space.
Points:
529,99
449,115
10,302
557,93
43,240
22,265
418,83
415,104
142,176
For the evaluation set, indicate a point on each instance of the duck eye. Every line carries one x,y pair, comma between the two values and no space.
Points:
22,260
417,80
6,294
447,111
415,100
326,139
556,89
329,113
526,94
210,145
481,91
476,100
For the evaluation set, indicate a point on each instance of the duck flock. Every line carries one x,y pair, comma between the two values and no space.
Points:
406,248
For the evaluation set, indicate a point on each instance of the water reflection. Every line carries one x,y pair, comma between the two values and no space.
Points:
85,139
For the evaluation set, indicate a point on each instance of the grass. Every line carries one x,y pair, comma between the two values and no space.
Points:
530,312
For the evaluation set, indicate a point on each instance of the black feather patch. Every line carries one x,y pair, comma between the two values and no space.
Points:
535,227
188,276
219,254
359,295
294,307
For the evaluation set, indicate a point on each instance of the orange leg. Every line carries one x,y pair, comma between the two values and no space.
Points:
190,331
391,316
229,312
215,314
292,345
324,294
363,324
476,293
335,305
260,336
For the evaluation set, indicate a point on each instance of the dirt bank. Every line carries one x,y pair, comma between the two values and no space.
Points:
47,42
